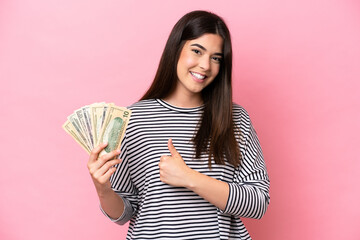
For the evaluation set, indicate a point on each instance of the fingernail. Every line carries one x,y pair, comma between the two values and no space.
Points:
118,150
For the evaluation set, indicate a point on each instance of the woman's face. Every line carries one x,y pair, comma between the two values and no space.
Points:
199,63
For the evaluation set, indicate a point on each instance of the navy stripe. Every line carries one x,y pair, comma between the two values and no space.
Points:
159,211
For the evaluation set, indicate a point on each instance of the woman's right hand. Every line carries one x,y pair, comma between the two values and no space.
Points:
101,168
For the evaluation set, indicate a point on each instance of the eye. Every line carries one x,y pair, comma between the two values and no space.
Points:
196,51
217,59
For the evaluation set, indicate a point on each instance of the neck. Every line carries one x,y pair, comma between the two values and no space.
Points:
184,100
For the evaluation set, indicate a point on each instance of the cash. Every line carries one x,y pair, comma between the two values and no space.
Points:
98,123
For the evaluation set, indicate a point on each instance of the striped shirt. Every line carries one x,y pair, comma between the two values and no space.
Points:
159,211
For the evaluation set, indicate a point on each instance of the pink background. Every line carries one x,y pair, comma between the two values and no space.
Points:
296,71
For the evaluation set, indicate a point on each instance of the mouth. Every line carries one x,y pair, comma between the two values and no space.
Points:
197,76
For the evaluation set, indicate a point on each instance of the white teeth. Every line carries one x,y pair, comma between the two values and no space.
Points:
197,75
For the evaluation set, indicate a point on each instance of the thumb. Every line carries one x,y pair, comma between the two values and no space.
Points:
171,147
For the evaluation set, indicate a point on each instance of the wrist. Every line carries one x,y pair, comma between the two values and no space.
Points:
191,178
103,191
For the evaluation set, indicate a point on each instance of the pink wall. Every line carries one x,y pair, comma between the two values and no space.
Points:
296,70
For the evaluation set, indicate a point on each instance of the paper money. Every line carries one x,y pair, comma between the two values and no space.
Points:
88,125
70,129
78,130
97,123
80,115
97,117
114,127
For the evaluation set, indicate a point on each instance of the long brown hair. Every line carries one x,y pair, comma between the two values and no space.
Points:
216,133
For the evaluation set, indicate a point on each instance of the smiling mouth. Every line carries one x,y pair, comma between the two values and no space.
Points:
198,76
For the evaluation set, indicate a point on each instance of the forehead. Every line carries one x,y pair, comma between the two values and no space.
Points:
211,42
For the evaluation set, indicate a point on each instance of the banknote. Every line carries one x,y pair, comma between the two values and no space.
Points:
70,129
114,127
77,127
88,124
98,112
80,116
93,124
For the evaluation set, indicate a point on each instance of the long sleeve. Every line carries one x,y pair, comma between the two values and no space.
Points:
249,191
160,211
122,185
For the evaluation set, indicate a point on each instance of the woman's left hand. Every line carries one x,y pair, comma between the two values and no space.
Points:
173,169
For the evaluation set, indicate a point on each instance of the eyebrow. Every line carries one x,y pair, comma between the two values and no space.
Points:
202,47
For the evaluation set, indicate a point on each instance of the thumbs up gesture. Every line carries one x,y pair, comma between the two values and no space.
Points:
173,169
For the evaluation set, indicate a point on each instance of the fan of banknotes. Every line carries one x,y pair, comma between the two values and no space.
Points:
98,123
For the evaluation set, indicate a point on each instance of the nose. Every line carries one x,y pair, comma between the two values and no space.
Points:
205,63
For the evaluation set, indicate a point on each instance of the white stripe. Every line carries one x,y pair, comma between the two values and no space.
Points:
159,211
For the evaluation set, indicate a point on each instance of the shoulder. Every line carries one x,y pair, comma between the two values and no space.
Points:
143,104
147,106
148,110
242,122
240,114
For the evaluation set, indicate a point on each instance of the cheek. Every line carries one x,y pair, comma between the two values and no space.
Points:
186,60
215,70
190,61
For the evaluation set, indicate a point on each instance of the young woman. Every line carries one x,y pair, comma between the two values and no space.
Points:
190,164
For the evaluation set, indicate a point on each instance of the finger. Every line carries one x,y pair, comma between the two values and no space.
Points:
95,152
105,178
163,158
172,148
106,167
161,176
106,157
